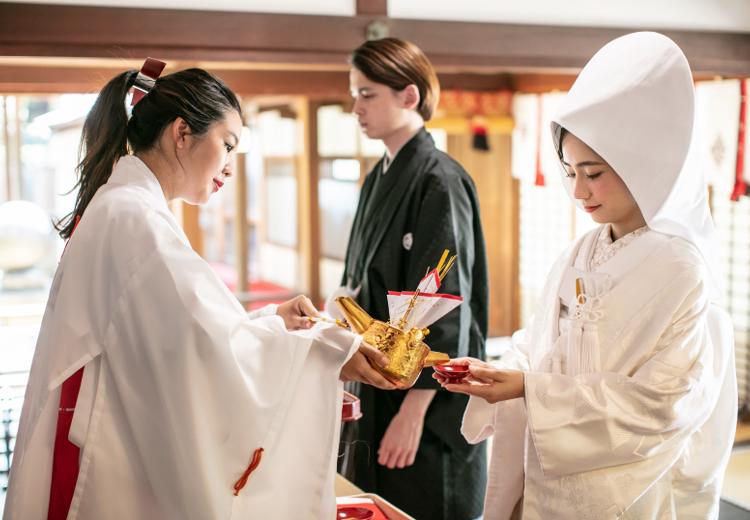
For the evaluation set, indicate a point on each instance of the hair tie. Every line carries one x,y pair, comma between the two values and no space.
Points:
146,79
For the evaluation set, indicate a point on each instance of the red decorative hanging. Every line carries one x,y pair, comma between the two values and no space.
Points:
539,178
740,187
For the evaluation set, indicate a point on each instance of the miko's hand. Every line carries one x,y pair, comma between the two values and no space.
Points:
295,311
358,368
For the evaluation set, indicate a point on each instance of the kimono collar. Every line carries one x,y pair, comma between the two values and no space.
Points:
130,170
605,248
421,138
388,161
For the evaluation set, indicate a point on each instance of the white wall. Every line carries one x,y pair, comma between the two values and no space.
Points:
331,272
322,7
714,15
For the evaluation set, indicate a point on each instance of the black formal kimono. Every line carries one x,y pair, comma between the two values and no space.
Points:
424,203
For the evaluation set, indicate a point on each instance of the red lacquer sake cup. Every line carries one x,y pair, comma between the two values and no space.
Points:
354,513
452,373
351,409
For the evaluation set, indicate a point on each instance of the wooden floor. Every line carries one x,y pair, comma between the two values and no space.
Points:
743,433
735,488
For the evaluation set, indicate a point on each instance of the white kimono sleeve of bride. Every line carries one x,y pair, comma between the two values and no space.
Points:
507,422
479,417
604,419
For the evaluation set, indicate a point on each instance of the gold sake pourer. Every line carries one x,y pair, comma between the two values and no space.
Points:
407,353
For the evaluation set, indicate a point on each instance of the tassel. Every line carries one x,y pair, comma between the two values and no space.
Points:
589,354
572,361
582,356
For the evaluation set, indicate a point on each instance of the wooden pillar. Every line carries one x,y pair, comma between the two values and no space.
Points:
192,227
241,228
187,216
16,171
499,205
6,147
12,142
308,213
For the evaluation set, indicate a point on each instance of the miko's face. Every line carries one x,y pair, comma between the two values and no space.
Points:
208,158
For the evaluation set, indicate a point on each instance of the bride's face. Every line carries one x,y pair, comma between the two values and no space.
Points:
598,189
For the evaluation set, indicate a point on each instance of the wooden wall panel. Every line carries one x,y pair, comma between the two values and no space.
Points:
498,199
372,7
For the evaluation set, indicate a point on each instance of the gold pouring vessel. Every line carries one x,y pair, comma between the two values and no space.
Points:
407,353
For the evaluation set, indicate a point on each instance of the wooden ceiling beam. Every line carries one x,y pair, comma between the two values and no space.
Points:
59,78
132,33
372,8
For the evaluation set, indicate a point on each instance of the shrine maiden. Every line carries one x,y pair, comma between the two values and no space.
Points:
152,394
619,400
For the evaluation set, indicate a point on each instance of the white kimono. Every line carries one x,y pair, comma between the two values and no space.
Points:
180,386
630,404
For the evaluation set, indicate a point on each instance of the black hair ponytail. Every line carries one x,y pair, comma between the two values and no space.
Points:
103,142
196,96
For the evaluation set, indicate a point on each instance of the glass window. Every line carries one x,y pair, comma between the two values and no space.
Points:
270,159
346,155
39,141
4,195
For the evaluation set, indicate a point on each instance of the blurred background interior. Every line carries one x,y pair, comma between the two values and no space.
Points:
280,227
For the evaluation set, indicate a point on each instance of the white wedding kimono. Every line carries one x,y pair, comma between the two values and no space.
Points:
630,402
180,386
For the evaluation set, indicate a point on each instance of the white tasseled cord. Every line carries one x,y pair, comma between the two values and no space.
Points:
572,361
583,339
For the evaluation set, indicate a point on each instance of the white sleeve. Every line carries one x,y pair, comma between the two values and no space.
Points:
267,310
478,422
479,417
200,384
